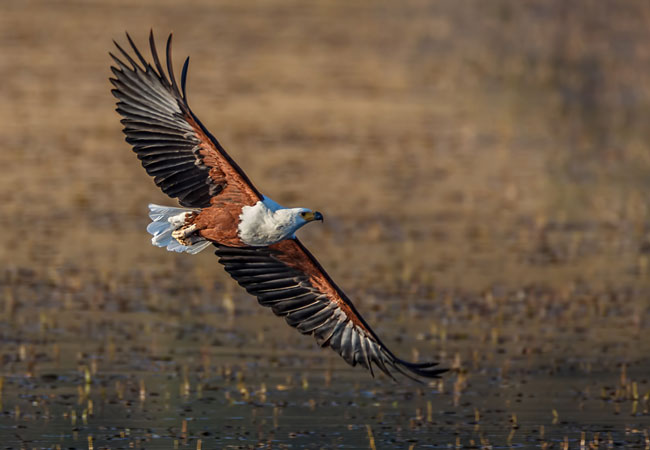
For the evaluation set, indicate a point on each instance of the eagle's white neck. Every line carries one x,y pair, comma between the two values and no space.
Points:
267,222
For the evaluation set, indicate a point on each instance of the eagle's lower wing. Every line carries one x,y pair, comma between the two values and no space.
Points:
289,280
185,160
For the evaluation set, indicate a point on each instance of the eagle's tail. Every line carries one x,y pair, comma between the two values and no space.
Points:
165,221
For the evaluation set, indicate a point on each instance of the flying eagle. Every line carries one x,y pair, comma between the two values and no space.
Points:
254,236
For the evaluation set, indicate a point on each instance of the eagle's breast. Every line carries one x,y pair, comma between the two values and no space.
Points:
265,223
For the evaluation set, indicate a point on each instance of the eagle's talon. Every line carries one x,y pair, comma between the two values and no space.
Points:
184,235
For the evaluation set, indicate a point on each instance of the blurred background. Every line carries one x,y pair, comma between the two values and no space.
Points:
484,172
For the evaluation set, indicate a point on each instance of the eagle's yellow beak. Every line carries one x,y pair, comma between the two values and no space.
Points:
310,216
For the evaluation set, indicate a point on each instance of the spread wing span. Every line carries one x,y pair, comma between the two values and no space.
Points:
189,164
289,280
186,161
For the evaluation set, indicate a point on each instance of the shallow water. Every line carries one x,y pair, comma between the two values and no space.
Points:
220,415
206,376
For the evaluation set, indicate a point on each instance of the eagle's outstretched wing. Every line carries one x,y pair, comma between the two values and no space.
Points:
186,161
289,280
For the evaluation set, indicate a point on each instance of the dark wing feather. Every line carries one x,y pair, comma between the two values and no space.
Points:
186,161
289,280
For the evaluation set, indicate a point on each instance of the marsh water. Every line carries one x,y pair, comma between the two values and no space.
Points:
483,170
83,370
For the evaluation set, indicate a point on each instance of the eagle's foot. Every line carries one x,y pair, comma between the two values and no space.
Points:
185,235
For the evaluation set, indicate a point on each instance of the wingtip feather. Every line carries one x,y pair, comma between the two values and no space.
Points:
137,52
170,68
184,77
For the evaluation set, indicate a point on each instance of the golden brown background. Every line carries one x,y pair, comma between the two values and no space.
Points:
468,143
483,168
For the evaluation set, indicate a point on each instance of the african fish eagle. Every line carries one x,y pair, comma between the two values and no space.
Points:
254,236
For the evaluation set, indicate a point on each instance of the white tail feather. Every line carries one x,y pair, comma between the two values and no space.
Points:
166,220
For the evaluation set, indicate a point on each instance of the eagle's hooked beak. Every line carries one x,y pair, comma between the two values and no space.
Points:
310,216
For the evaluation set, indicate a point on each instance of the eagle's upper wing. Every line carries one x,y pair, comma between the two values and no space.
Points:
185,160
289,280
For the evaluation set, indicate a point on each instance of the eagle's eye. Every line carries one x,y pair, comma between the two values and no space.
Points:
303,214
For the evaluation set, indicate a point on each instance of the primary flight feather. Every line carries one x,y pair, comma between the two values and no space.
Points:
254,236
